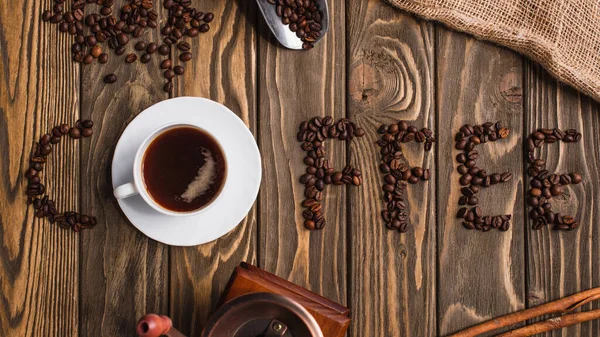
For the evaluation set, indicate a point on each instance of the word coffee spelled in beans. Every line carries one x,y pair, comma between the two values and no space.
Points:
396,170
36,191
319,171
545,186
474,178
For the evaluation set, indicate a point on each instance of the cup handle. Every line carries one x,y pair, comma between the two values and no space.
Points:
125,191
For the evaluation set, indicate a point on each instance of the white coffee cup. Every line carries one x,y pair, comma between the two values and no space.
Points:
138,187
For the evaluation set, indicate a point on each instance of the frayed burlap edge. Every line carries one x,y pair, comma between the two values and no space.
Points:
526,44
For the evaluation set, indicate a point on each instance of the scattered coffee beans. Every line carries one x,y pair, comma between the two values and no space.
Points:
134,18
396,171
303,17
319,172
36,191
110,78
183,20
474,178
544,185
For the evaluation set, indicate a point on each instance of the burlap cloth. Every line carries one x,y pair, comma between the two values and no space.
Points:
562,35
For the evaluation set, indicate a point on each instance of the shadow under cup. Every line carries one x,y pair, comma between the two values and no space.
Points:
183,169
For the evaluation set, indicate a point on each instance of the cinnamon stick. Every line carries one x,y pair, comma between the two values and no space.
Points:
563,305
553,324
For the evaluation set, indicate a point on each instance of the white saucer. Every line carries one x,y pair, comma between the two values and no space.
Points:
240,190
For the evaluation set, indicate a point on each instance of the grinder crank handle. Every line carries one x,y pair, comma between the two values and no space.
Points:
153,325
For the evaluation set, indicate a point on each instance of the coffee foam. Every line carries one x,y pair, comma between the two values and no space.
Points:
203,179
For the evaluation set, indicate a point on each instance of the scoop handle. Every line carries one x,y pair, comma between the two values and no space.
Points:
153,325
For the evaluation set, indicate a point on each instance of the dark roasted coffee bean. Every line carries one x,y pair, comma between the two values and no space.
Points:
168,87
532,201
164,49
417,171
184,46
166,64
309,224
103,58
152,48
565,179
145,58
74,133
179,70
467,191
120,50
130,58
575,178
110,78
184,57
122,39
140,46
465,179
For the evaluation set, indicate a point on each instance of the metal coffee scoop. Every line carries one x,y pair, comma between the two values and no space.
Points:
282,32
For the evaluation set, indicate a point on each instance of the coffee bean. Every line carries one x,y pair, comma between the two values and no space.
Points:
164,49
166,64
575,178
130,58
152,48
179,70
140,46
309,224
473,201
74,133
103,58
532,201
465,179
168,87
185,57
417,172
145,58
110,78
120,50
184,46
122,39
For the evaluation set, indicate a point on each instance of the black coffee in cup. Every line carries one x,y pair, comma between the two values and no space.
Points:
184,169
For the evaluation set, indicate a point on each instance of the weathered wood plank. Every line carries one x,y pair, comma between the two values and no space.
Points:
295,86
391,78
481,275
563,263
124,274
223,69
38,261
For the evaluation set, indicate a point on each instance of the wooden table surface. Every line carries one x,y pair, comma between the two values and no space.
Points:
376,65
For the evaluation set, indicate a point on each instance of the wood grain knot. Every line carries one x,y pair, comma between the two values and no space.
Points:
510,87
363,85
384,77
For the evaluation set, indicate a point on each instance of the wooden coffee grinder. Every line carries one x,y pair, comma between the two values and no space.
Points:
256,303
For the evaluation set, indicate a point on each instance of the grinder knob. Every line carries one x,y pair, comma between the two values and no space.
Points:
153,325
